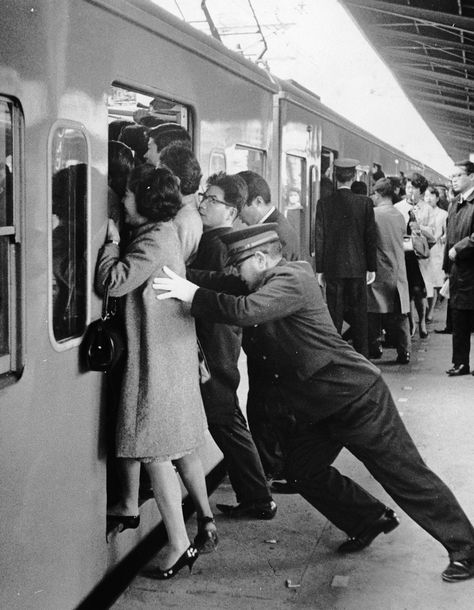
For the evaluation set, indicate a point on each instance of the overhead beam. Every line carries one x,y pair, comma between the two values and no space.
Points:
422,57
439,76
445,107
452,20
431,41
431,86
444,98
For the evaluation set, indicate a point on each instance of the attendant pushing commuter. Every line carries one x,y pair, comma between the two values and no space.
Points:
325,396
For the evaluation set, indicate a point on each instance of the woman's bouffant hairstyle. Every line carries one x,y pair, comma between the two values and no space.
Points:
121,163
234,188
156,191
418,181
181,160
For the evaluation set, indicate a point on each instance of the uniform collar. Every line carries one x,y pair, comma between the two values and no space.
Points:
267,215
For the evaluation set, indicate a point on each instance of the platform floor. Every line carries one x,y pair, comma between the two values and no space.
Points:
401,571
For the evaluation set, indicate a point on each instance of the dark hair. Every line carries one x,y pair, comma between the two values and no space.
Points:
234,188
344,174
120,165
182,161
69,182
395,180
418,181
384,187
359,188
135,136
166,133
467,165
434,190
156,192
256,185
115,127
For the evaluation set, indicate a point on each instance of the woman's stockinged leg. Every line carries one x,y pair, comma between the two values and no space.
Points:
168,498
192,473
129,472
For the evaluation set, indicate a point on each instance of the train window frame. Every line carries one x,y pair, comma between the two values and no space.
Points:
217,154
11,234
262,170
313,196
73,341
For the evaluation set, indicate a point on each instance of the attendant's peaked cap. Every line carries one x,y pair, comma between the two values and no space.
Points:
346,163
243,243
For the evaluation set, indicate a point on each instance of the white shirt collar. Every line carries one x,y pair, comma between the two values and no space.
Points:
270,211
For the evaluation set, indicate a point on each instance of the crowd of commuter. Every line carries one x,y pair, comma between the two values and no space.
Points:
310,392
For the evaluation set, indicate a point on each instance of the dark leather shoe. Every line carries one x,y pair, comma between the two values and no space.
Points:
459,570
445,331
387,522
375,353
253,510
403,358
282,487
457,370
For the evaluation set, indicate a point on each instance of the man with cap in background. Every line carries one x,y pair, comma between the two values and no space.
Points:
258,209
325,396
220,205
346,253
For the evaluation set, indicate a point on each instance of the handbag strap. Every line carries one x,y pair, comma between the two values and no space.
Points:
108,311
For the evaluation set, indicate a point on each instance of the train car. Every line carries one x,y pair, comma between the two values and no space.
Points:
66,70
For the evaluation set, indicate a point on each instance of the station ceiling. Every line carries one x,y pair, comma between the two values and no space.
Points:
429,47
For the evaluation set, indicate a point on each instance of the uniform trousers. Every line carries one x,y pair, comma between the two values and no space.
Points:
372,430
463,326
241,458
347,299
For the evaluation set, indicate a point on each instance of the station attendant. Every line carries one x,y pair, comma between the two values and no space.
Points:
326,396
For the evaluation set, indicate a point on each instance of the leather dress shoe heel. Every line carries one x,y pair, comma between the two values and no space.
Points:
206,539
386,523
252,510
457,370
458,571
187,559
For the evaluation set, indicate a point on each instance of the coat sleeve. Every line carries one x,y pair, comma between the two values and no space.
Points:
370,238
138,263
278,298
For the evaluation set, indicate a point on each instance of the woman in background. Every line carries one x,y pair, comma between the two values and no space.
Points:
439,216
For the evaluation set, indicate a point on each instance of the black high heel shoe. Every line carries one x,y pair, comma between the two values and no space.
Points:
206,539
122,522
187,559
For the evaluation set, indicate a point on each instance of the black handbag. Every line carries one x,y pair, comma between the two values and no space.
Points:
103,343
420,245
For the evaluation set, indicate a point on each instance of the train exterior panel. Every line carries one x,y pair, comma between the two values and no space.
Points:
58,62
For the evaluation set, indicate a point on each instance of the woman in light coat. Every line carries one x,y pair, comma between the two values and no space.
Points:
161,416
439,215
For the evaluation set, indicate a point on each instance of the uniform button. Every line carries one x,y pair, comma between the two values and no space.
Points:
255,325
264,357
276,375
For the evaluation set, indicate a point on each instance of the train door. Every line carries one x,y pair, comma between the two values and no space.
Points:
328,183
294,195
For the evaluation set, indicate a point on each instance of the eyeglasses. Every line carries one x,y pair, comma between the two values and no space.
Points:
213,199
458,175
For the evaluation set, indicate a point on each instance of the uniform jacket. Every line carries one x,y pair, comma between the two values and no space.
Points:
220,342
160,411
287,234
346,243
288,331
460,235
391,282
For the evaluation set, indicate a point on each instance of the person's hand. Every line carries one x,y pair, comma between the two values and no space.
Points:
321,280
112,231
452,254
414,226
175,287
370,277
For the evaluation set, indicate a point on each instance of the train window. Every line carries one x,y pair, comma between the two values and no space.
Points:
69,210
11,122
245,157
217,162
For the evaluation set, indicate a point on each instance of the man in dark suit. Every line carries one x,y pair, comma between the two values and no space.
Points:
346,253
325,396
259,209
220,205
459,264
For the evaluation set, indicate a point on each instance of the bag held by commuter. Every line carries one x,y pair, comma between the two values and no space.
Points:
104,344
420,245
204,371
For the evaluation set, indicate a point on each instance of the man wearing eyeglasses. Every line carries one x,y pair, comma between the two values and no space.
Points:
220,205
459,264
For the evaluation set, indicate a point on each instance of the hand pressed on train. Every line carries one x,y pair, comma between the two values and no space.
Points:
176,287
113,233
370,277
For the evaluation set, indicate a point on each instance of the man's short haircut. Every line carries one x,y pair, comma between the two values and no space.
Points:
234,188
182,161
166,133
344,174
257,186
385,188
418,181
121,163
359,188
467,165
